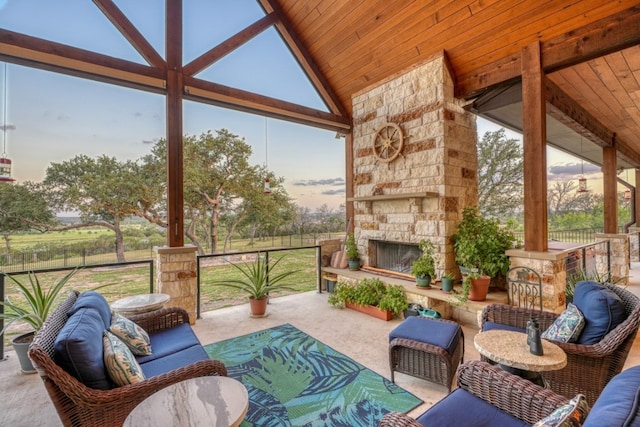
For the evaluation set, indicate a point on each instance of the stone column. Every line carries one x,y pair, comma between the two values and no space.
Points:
176,276
634,244
552,269
619,250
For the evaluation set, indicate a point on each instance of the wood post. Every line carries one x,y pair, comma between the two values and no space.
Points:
610,189
534,134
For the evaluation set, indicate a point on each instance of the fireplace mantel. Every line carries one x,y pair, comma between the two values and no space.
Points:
401,196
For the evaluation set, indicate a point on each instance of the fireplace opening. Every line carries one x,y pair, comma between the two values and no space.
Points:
394,256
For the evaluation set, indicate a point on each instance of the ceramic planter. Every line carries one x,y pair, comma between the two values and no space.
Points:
371,311
21,346
423,282
354,264
447,284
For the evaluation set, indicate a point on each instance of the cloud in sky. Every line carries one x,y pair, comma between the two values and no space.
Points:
315,182
333,192
571,170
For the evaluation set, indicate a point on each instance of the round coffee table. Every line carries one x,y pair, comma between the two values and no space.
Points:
202,401
509,349
138,304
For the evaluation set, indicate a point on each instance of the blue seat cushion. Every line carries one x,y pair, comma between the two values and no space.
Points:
619,403
461,408
169,341
78,349
94,300
487,326
445,335
169,362
602,309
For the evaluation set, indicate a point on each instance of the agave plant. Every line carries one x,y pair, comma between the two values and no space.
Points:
258,278
40,301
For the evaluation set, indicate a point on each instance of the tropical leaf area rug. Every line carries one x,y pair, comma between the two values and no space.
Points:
295,380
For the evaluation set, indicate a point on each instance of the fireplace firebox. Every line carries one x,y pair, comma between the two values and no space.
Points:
393,256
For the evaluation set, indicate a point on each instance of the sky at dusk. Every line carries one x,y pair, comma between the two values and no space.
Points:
57,117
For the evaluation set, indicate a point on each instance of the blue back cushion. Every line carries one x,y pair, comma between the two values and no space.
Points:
445,335
94,300
619,403
602,308
461,408
487,326
78,349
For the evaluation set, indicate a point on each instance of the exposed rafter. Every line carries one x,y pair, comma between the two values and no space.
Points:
611,34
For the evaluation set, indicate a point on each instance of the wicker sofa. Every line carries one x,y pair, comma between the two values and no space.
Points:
489,396
589,367
176,359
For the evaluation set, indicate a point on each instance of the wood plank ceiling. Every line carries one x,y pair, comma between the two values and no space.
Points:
589,51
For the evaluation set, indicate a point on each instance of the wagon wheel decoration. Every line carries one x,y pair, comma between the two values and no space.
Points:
388,142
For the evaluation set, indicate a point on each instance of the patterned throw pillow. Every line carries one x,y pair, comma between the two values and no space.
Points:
131,334
121,364
572,414
567,327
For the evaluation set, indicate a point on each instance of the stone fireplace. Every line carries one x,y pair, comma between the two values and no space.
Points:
417,189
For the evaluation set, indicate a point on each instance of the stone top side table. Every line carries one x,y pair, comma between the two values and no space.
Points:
203,401
138,304
510,348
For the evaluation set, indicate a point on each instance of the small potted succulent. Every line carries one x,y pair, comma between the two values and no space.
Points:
424,268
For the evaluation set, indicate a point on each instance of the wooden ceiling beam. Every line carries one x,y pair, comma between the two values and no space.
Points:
600,38
229,45
306,62
130,32
39,53
237,99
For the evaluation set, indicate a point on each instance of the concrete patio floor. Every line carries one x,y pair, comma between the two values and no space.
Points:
24,401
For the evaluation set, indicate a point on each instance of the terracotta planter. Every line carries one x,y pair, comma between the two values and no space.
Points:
371,311
258,306
479,288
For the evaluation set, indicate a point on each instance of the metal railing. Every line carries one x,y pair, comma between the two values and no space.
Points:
51,270
238,255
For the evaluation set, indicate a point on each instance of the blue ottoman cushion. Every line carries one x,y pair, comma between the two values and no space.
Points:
461,408
619,402
445,335
603,310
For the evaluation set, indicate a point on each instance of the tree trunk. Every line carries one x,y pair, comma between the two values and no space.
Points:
7,245
190,233
119,241
232,230
215,219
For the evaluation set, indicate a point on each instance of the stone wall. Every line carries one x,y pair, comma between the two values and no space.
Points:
616,260
176,276
438,158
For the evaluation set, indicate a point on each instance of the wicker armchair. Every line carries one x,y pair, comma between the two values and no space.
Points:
79,405
589,367
512,394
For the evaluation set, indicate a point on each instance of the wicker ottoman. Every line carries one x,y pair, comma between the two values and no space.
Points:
426,348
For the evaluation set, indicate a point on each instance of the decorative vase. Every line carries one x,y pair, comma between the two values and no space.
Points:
21,346
479,288
423,282
258,306
447,284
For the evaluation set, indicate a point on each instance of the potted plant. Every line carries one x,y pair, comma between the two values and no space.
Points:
370,296
447,282
424,266
480,245
39,302
353,256
257,281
